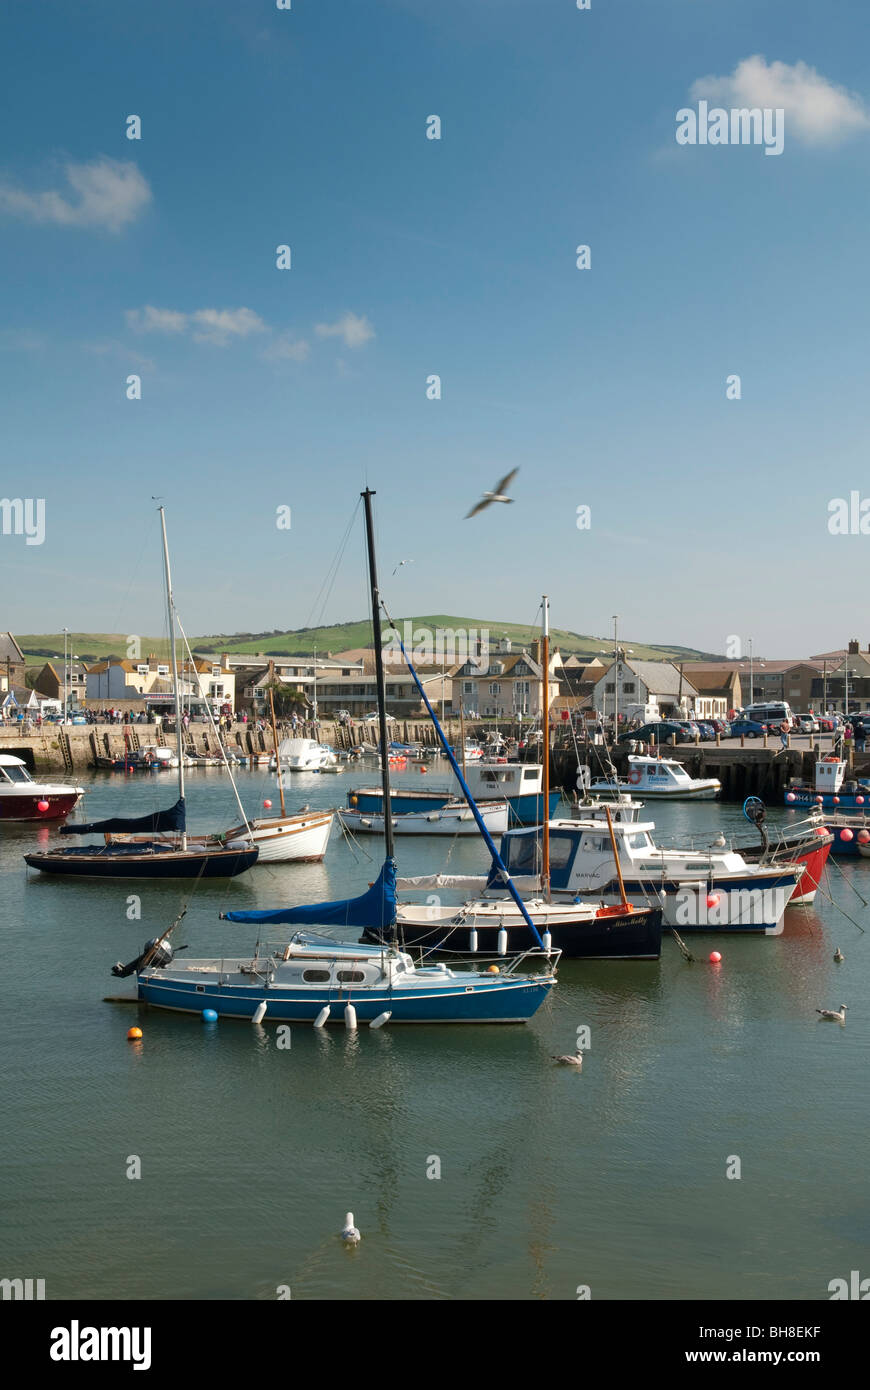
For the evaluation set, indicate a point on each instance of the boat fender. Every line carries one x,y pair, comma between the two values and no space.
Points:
472,940
259,1012
502,941
322,1016
350,1017
548,942
381,1019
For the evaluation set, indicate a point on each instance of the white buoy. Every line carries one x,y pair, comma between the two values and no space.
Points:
322,1016
259,1012
548,942
472,939
381,1019
350,1016
502,941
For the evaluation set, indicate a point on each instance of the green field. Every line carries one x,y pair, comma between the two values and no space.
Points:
340,637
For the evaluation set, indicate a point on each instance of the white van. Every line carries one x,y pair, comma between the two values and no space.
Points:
774,712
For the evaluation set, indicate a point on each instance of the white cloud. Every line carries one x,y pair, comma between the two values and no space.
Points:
108,193
285,349
816,110
354,331
215,326
151,320
219,325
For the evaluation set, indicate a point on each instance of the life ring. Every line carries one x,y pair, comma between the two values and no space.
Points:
635,776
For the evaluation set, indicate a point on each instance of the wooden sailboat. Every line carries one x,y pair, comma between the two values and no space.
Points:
134,846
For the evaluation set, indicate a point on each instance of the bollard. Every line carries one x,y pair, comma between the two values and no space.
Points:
742,740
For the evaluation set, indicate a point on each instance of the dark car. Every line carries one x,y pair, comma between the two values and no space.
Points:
707,732
750,727
661,731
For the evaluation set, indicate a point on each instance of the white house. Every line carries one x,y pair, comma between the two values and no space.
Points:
648,689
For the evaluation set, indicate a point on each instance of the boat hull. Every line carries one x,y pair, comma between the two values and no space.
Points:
811,851
116,862
503,1001
524,809
609,936
747,905
443,821
26,807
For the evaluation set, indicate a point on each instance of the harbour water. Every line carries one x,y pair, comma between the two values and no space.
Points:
613,1179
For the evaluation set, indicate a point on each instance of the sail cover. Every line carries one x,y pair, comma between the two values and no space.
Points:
172,819
375,908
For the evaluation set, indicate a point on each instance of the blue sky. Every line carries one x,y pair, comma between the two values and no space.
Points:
606,387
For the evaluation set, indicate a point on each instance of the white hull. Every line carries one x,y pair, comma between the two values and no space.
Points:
447,820
283,839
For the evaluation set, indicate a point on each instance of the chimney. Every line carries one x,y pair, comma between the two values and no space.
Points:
535,650
854,647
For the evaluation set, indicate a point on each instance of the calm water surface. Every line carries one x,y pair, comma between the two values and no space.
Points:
251,1155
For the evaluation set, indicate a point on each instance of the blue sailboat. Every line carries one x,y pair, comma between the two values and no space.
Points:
318,979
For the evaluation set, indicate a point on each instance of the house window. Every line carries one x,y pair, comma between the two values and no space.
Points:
609,688
468,687
495,688
216,690
628,687
346,672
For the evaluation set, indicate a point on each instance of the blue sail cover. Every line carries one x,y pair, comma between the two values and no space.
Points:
173,819
375,908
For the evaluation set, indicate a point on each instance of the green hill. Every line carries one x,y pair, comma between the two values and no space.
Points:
339,637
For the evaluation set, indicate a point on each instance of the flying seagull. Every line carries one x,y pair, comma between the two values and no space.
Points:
498,494
400,564
834,1015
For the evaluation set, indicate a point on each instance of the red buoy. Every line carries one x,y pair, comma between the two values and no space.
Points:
715,957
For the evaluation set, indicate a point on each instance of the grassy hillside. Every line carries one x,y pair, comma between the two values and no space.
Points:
42,647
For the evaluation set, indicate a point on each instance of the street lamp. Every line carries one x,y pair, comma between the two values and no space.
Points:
65,671
847,673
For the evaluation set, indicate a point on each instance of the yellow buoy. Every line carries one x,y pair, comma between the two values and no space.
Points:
494,970
133,1034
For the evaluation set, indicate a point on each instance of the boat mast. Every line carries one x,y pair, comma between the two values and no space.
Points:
545,658
277,751
170,609
379,675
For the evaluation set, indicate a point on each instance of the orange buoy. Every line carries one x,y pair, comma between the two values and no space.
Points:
134,1034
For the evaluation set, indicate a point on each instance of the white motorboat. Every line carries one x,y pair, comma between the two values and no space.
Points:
23,799
660,777
305,755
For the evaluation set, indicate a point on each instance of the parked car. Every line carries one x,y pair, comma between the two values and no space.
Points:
722,727
661,731
708,733
805,724
748,727
827,724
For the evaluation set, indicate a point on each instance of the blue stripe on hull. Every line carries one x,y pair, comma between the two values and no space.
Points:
500,1002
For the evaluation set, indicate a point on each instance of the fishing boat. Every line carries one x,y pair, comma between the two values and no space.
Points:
154,758
700,890
137,846
807,842
451,818
23,799
519,784
830,788
659,777
318,979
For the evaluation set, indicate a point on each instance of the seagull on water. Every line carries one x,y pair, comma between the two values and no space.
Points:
350,1235
498,494
568,1061
838,955
834,1015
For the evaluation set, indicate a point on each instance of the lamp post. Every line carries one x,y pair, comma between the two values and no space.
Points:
65,671
847,673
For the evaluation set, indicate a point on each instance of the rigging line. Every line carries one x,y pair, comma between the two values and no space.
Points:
332,572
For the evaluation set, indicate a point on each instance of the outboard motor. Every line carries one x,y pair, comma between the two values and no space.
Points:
156,952
755,810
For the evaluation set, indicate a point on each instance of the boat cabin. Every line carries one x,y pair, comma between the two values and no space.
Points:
829,775
13,769
500,779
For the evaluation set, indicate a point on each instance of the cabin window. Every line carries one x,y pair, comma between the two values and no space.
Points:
523,856
529,774
350,977
16,774
315,977
561,849
489,777
637,842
